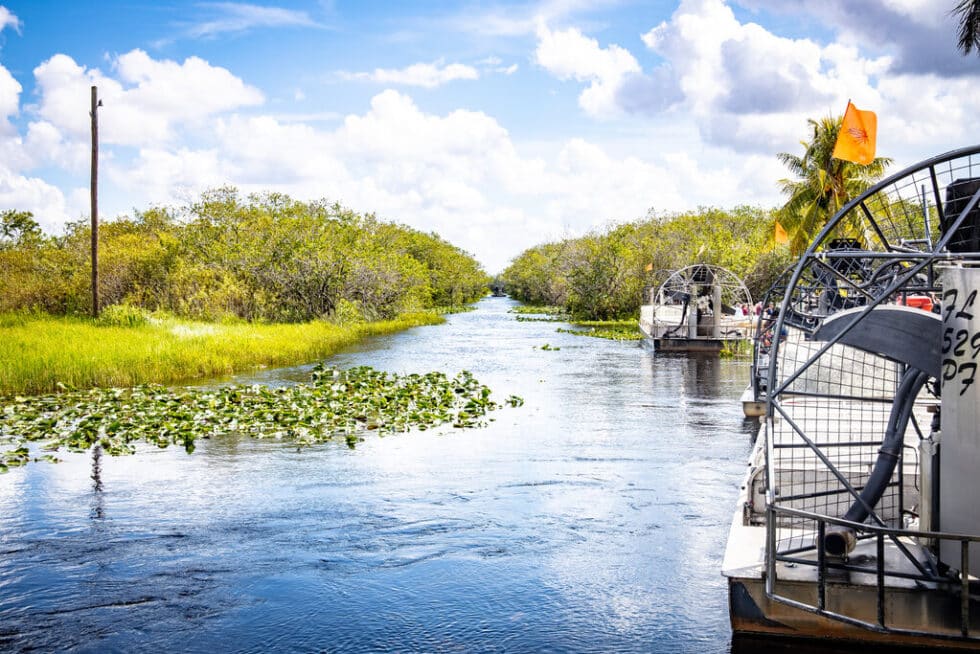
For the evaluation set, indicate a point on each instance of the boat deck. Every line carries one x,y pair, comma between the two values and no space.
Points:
857,598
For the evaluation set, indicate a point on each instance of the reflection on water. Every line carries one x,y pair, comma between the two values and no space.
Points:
593,518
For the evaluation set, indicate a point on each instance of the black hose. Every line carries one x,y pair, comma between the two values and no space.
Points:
838,542
671,332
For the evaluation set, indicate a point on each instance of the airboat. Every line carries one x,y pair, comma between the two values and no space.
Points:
859,518
700,308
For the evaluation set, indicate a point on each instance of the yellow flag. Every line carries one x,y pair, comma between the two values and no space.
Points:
856,139
648,267
781,237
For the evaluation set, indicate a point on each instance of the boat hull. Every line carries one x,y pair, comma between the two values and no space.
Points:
754,614
752,407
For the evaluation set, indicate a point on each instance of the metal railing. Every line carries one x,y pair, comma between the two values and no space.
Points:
953,582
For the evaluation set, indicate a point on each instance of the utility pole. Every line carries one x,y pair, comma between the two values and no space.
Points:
94,191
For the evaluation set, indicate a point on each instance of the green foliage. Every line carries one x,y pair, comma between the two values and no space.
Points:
537,275
265,257
40,354
967,12
613,330
603,276
18,228
822,185
122,315
739,349
524,309
334,404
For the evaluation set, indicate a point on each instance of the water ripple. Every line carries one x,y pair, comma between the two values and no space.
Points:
590,520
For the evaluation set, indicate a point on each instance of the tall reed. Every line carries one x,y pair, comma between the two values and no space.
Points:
40,353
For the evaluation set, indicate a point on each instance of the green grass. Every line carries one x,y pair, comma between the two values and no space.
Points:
40,354
736,349
525,309
616,330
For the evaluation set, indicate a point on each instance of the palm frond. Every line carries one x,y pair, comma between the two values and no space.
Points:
968,13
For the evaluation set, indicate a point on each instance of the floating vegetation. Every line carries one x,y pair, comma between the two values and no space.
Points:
539,314
616,330
335,404
524,309
549,348
545,319
736,349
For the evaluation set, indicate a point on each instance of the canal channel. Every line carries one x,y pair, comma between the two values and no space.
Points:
592,518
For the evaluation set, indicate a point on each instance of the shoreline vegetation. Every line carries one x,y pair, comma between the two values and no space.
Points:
614,330
43,354
605,275
224,284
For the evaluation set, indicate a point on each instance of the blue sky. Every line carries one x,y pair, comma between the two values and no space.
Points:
498,125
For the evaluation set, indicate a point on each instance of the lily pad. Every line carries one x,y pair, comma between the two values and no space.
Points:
334,404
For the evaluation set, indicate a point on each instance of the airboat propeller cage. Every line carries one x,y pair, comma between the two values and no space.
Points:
850,371
699,301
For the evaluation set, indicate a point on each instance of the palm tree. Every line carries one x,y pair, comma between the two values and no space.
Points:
969,16
823,185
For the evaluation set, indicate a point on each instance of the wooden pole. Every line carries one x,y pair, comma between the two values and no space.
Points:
94,192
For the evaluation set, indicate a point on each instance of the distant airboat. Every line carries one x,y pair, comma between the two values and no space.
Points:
700,308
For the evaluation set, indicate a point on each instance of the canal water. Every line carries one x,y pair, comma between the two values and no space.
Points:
591,519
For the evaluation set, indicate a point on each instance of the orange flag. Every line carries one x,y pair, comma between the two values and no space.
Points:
781,237
648,267
856,138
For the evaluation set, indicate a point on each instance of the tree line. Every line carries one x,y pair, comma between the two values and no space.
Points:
264,257
605,274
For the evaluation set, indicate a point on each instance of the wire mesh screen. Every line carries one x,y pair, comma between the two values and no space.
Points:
830,403
826,433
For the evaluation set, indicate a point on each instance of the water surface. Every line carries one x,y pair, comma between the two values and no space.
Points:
593,518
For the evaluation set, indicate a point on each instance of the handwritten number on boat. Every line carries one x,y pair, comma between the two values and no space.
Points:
955,341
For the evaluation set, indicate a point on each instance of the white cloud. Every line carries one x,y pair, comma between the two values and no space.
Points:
459,173
495,65
146,100
45,201
8,19
9,95
751,89
424,75
569,54
242,17
17,189
160,176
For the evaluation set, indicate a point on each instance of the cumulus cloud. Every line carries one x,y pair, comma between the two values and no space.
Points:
569,54
751,90
18,189
45,201
919,35
422,74
748,88
144,102
459,173
9,96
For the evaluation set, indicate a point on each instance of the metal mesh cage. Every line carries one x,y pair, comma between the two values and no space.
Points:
829,402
